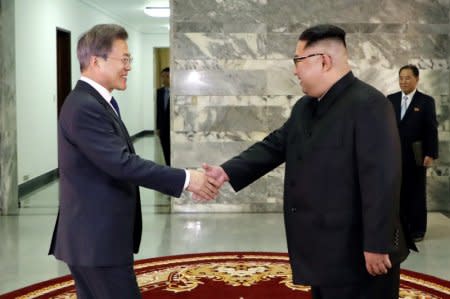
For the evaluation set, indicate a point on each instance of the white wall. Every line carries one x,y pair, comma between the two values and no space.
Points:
35,25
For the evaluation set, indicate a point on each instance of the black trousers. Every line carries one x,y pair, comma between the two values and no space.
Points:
372,287
165,144
105,282
413,207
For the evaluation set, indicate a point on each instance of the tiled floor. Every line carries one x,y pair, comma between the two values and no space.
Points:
25,238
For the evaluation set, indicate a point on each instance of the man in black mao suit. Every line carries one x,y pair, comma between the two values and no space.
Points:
163,113
416,119
99,221
342,177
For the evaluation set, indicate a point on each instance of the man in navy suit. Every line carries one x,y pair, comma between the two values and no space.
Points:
416,120
163,114
99,222
342,179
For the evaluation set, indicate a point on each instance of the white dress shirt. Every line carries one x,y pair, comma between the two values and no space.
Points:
106,95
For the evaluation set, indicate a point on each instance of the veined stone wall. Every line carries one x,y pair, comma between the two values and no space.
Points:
8,125
233,82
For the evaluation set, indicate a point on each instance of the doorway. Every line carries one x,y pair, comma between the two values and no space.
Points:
63,65
162,112
162,60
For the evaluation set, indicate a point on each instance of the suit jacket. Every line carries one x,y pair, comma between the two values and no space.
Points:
163,113
418,124
99,220
342,182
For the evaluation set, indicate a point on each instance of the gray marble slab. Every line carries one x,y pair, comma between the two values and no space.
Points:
233,77
195,45
251,82
415,11
8,126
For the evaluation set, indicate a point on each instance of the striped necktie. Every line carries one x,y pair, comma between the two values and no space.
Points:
116,106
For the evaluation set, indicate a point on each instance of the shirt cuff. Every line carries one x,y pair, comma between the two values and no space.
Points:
188,179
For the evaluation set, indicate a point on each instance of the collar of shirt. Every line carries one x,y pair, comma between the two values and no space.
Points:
106,95
410,96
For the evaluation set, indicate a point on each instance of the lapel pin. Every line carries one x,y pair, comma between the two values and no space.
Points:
416,109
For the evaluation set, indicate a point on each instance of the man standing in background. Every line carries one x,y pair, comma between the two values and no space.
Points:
416,120
163,113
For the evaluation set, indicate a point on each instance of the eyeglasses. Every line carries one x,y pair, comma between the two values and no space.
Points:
297,59
126,60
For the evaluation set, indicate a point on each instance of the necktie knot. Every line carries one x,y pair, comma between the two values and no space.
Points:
115,106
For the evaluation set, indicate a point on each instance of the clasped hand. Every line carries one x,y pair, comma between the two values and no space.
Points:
205,185
377,263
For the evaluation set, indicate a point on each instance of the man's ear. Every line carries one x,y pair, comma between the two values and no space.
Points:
327,62
94,61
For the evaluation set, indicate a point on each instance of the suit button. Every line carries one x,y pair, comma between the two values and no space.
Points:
293,210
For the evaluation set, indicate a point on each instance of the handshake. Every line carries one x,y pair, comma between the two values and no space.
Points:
205,185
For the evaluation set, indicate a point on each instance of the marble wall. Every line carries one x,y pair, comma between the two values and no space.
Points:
232,77
8,136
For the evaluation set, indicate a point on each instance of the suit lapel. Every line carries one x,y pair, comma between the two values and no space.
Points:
126,134
117,121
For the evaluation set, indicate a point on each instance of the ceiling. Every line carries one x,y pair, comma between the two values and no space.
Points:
131,13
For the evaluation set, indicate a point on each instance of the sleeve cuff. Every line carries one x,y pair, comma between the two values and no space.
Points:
188,179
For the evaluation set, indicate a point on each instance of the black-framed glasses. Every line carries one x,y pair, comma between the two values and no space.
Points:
297,59
126,60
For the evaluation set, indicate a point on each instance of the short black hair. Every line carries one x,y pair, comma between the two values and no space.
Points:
414,69
323,31
166,69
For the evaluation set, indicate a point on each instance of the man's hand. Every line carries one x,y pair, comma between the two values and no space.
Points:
377,263
217,173
427,161
204,188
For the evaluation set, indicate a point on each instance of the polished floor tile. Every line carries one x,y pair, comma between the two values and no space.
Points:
26,237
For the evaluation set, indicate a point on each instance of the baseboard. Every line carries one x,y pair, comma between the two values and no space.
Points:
48,177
